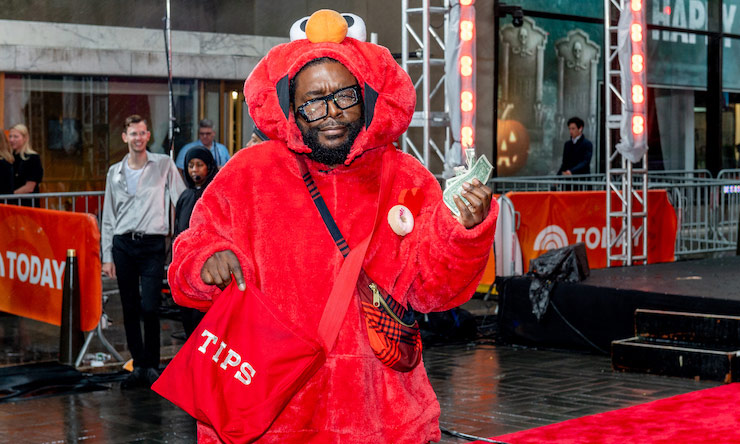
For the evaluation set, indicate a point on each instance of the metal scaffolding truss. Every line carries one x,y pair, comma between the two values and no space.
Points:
428,136
626,182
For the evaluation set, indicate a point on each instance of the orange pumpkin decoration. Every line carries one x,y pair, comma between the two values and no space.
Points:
512,144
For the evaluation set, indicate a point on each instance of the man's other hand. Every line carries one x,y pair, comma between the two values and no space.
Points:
218,270
476,211
109,269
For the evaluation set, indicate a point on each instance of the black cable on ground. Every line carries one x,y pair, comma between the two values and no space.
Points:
578,332
468,437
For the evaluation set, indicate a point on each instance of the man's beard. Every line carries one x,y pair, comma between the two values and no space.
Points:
326,155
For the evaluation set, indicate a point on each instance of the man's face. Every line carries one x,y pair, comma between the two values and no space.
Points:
574,130
206,136
335,133
136,136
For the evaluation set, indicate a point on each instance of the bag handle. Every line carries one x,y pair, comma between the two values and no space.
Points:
344,286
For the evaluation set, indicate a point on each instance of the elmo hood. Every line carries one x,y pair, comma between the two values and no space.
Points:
388,93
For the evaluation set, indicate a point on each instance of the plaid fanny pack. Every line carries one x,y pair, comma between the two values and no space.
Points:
391,328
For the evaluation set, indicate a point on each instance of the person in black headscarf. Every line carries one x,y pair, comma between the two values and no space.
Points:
201,168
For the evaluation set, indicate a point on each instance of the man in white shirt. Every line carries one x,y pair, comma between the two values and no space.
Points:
206,138
139,191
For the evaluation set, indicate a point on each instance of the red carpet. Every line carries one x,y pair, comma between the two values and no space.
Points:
704,416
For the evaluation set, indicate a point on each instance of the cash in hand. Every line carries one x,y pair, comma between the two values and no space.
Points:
479,169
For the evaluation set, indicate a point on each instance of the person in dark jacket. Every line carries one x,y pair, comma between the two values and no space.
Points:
201,168
27,169
577,151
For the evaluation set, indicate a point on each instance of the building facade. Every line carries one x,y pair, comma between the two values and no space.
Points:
72,71
552,68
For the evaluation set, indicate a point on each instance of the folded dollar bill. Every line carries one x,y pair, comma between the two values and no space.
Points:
480,170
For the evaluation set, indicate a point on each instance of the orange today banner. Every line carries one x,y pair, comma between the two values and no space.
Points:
554,220
33,253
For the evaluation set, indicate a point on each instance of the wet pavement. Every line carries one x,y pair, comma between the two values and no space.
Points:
485,389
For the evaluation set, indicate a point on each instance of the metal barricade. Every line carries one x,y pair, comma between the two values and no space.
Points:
707,209
581,182
79,202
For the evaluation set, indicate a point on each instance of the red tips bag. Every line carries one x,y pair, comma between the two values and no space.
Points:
244,362
225,377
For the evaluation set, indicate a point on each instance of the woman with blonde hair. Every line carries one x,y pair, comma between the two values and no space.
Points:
27,169
6,165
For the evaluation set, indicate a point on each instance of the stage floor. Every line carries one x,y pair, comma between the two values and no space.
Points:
710,278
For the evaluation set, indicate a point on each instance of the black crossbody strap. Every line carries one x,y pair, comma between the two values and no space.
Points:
336,234
344,285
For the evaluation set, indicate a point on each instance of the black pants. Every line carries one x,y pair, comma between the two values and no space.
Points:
140,259
190,319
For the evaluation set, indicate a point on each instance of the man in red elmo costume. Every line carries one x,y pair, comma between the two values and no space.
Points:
339,103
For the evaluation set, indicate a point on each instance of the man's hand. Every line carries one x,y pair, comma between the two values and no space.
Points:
567,173
479,197
218,270
109,268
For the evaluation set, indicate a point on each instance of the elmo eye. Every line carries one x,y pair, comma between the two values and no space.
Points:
355,26
298,30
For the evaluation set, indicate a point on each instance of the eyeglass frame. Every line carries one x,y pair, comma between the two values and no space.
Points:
300,110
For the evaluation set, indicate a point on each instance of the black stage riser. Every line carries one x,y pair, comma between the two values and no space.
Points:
697,329
604,314
644,356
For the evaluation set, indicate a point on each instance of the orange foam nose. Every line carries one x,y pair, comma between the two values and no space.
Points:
326,25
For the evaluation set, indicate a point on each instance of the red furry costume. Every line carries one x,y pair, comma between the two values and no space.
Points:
258,207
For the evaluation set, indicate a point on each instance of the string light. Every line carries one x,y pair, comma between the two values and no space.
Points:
638,95
466,30
638,124
467,136
466,101
466,66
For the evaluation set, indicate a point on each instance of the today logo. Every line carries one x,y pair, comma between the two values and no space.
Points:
553,236
233,359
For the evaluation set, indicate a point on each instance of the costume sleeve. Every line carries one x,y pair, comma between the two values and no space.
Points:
582,166
213,228
449,259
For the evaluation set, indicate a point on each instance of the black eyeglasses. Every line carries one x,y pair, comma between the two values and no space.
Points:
317,109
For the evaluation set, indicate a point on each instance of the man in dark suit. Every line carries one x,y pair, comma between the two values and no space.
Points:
577,151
